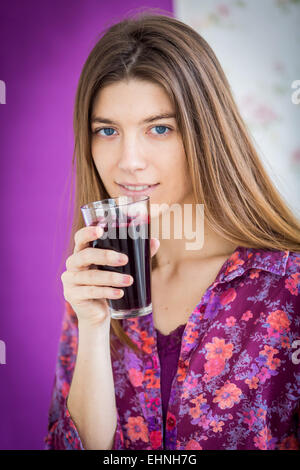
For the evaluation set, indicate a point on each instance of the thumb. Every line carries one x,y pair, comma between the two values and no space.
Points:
154,246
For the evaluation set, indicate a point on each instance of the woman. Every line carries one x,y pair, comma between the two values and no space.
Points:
215,365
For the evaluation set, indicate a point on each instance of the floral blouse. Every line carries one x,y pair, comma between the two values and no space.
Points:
237,384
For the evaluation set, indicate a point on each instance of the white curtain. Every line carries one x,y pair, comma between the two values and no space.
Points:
258,45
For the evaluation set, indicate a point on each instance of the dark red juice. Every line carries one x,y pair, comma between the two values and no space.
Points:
137,248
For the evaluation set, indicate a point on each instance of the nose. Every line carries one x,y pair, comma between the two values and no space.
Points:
131,156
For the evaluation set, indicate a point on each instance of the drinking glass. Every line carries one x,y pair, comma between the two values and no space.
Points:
126,224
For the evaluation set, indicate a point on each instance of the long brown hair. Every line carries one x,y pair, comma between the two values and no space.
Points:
241,203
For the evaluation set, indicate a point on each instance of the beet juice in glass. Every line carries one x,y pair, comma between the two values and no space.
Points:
126,224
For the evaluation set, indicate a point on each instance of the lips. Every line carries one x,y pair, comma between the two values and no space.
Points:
137,184
129,192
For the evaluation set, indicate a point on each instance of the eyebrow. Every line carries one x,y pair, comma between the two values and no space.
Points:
144,121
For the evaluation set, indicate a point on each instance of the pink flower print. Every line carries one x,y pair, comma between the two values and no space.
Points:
268,351
261,317
155,439
249,418
154,362
171,421
204,422
137,429
190,384
214,367
151,378
218,349
135,377
248,314
193,445
153,404
234,262
65,389
230,321
265,440
191,336
199,400
289,443
133,324
273,363
228,296
261,413
253,382
292,283
285,342
196,411
227,395
254,273
264,374
217,426
278,320
148,342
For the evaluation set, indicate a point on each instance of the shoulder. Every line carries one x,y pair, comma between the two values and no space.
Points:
291,276
273,282
286,291
293,263
290,281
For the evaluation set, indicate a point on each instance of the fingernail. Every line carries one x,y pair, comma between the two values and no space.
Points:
99,231
122,258
118,292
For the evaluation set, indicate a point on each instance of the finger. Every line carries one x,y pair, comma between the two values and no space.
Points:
154,246
88,256
85,235
94,292
98,277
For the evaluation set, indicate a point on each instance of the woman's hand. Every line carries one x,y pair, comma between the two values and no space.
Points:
87,289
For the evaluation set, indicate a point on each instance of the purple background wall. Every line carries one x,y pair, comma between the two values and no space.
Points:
43,46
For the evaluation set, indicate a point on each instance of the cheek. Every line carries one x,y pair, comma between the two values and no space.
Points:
103,163
180,168
98,151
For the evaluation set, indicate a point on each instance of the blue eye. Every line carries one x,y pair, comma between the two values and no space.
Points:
109,129
161,129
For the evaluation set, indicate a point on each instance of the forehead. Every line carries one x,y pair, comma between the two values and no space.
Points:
134,97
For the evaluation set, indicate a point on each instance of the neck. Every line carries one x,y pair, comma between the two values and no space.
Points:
176,253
